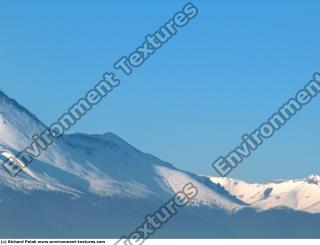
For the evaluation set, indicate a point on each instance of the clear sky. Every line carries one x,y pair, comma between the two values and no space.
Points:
221,76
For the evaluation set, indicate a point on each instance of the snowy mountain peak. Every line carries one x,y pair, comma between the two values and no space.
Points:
100,165
299,194
17,124
313,179
106,166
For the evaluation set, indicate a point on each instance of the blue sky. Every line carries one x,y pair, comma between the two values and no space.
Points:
221,76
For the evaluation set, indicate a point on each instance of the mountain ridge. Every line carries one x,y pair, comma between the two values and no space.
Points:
112,185
107,165
298,194
103,165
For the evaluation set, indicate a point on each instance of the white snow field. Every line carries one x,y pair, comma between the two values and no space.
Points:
300,194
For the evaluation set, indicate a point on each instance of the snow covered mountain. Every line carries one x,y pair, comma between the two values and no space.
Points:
301,194
103,165
101,186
